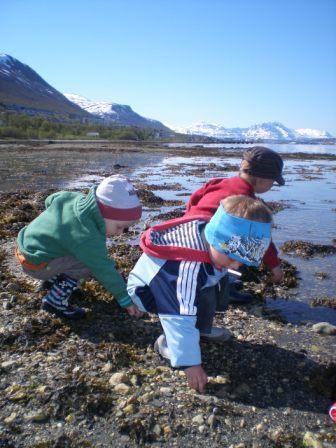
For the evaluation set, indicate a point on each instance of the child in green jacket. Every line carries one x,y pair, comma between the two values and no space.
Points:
67,243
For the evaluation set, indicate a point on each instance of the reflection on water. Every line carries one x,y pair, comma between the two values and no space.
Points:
279,147
310,191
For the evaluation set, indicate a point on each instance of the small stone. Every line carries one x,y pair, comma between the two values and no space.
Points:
11,418
324,328
134,380
166,390
146,397
167,430
198,419
157,430
7,305
157,403
129,409
118,378
18,396
212,421
215,410
8,364
202,428
280,390
37,417
242,423
310,440
41,390
275,435
107,367
132,399
121,388
259,427
221,379
240,445
69,418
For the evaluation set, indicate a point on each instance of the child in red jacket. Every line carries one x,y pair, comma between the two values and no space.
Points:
260,168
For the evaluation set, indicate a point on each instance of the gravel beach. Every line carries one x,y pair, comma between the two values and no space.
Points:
99,383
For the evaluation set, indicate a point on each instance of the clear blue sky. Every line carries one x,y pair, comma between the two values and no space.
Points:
233,62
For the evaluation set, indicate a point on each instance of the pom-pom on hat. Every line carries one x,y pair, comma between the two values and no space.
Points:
117,199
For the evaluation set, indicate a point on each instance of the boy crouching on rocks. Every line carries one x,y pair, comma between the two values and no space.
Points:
67,243
181,258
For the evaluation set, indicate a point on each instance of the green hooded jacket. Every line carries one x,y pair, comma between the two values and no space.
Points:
73,225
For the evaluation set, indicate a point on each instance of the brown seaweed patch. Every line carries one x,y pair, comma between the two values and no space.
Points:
125,257
177,213
260,282
321,275
149,199
176,186
306,249
329,302
277,206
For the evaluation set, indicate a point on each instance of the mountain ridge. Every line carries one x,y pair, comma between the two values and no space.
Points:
22,89
264,131
116,113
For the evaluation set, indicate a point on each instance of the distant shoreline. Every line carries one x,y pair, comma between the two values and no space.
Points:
146,147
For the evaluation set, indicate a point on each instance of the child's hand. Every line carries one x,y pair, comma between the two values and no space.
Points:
134,311
277,274
197,377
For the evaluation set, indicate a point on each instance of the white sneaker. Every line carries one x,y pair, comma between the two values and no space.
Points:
161,347
217,334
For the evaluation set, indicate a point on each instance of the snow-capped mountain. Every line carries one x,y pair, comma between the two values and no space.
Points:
264,131
21,88
115,113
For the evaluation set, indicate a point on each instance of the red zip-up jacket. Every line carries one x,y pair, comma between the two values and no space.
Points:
205,201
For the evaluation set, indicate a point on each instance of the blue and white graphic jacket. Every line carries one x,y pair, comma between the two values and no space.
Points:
170,286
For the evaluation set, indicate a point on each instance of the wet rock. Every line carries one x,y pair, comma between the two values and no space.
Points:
212,419
11,418
157,430
7,305
7,365
166,390
107,367
121,388
198,419
324,328
36,417
310,440
117,378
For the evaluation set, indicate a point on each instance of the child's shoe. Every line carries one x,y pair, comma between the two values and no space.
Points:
217,334
160,346
57,300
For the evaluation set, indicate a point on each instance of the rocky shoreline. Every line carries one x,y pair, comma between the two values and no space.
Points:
99,383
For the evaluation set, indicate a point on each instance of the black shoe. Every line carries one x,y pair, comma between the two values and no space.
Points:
69,312
239,298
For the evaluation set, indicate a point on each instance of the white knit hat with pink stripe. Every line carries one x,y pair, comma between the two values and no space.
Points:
117,199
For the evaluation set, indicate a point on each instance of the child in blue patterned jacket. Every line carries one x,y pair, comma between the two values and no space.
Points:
181,258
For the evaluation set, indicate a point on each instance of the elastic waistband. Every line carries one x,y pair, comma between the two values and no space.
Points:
33,267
